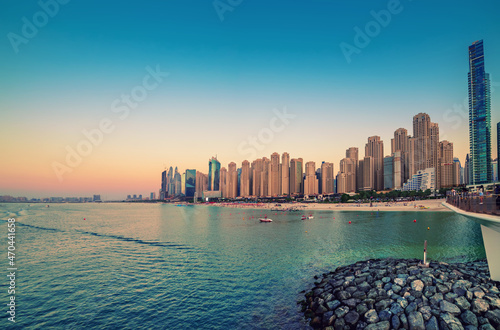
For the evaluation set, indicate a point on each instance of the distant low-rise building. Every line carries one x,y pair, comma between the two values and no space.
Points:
422,180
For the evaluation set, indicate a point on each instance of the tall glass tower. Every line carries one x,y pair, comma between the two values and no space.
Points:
479,116
213,174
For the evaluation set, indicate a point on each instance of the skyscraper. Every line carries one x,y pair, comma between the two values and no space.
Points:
434,145
285,174
201,184
265,177
368,173
421,133
467,170
457,172
447,166
425,145
256,177
389,172
348,167
163,190
213,174
498,149
190,183
245,179
352,153
183,184
177,182
296,176
401,142
375,148
223,182
397,169
327,178
479,116
311,181
274,182
170,182
232,181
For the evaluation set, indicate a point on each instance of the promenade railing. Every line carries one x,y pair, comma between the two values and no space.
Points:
487,204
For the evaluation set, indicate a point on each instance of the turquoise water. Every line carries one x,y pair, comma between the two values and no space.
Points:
162,266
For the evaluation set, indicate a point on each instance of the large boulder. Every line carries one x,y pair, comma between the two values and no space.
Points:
416,321
448,321
371,316
384,325
448,307
417,285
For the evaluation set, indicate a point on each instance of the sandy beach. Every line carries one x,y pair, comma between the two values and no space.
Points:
431,205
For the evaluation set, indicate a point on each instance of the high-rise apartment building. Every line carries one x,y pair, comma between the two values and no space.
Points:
375,148
190,183
479,116
447,165
245,179
223,182
401,143
352,153
498,149
232,181
170,182
274,182
256,170
425,145
368,173
435,159
397,170
177,182
327,178
421,134
266,176
467,170
213,174
183,184
341,183
296,172
201,184
457,172
348,167
163,189
311,181
388,172
285,174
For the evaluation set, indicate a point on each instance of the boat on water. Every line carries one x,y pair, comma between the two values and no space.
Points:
265,219
303,217
310,217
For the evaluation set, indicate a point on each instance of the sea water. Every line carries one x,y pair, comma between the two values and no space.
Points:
160,266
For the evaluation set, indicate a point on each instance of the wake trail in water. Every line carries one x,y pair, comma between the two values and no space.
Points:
117,237
139,241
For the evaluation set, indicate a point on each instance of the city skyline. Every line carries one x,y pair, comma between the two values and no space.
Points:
212,85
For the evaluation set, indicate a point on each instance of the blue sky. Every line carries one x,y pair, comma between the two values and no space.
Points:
225,78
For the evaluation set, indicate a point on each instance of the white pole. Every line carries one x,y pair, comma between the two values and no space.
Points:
425,252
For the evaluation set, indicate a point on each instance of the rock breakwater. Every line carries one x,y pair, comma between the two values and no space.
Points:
401,294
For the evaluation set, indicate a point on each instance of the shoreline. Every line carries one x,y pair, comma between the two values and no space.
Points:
432,205
402,293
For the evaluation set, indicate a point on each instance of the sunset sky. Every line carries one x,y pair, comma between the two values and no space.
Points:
208,76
